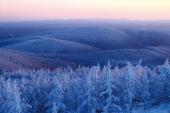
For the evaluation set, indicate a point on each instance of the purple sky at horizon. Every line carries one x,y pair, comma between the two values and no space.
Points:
16,10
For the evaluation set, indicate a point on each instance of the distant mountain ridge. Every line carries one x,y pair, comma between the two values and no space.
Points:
88,42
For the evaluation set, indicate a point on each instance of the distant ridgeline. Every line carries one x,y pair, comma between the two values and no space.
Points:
52,44
85,90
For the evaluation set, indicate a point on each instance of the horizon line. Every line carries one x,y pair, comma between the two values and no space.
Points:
85,19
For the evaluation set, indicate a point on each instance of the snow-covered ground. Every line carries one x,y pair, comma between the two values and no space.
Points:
164,108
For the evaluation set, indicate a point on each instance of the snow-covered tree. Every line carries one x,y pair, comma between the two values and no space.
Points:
76,93
89,102
145,89
55,99
130,86
84,90
12,102
111,101
165,77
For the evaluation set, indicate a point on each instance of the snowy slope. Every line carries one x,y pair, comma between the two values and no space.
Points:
89,42
149,55
47,45
11,60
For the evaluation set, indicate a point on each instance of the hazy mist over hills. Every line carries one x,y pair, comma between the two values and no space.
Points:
86,42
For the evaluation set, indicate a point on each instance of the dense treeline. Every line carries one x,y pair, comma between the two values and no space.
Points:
85,90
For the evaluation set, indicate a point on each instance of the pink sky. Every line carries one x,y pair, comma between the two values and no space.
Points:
84,9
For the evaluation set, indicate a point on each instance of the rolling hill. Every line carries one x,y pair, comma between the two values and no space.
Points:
61,43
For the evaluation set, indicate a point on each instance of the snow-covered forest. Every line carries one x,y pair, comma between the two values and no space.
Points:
93,89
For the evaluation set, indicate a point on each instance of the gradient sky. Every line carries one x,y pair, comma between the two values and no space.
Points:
11,10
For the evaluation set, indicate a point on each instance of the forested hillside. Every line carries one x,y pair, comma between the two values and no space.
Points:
85,90
85,42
